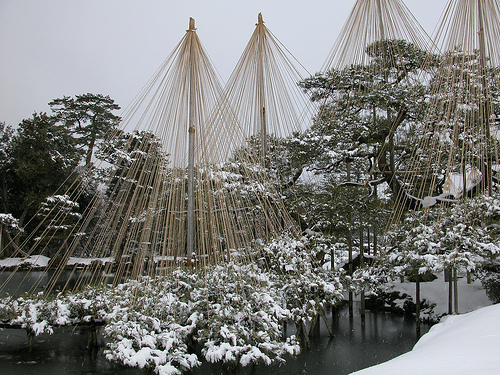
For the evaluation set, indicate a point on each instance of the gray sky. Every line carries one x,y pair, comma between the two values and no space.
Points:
52,48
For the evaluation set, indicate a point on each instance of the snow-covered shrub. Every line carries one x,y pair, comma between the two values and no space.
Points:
150,325
304,284
8,310
231,313
34,314
432,240
10,223
490,278
139,340
241,323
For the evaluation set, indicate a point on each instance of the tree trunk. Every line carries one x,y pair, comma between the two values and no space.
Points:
2,251
368,240
349,243
302,334
455,287
90,151
31,338
361,264
450,292
14,243
314,330
332,259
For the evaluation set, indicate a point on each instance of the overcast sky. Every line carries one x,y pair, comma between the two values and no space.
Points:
52,48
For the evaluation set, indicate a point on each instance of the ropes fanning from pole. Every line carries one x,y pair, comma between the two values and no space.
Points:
369,22
266,78
457,146
371,96
178,188
263,93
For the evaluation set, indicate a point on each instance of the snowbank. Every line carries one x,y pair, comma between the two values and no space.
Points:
34,261
459,345
41,261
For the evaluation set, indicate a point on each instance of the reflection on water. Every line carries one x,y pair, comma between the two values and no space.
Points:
65,352
355,346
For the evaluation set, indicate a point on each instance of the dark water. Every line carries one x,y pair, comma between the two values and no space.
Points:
355,346
35,281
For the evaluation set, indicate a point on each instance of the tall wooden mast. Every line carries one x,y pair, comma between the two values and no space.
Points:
191,145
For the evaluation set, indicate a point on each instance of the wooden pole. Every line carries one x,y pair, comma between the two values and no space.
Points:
485,107
381,26
351,297
417,303
450,291
361,264
349,245
455,288
261,88
191,143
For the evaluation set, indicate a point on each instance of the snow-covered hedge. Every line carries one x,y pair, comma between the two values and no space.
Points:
231,313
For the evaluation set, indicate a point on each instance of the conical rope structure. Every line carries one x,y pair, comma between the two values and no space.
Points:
271,109
373,21
456,154
177,191
263,91
446,201
371,96
186,242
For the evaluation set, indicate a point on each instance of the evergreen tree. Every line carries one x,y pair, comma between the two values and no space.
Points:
368,112
6,167
90,117
59,214
44,155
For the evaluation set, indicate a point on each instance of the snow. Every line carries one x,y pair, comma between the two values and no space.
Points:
9,221
87,261
470,296
33,261
41,261
459,345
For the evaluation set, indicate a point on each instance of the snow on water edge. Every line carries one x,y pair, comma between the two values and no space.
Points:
459,345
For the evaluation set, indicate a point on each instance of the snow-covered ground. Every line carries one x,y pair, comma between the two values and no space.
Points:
32,261
459,345
470,296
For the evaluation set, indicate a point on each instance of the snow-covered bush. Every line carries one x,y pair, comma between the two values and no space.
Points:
150,325
33,314
457,236
10,223
304,284
241,324
231,313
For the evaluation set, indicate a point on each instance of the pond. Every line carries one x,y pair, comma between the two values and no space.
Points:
33,282
355,346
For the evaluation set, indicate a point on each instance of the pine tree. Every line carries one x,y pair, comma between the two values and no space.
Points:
90,117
